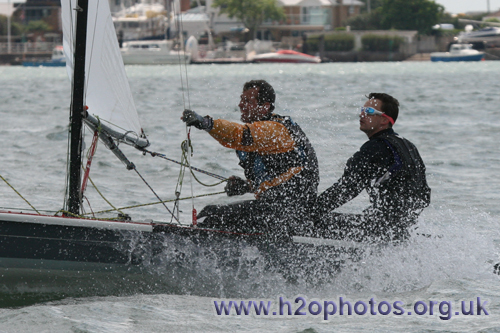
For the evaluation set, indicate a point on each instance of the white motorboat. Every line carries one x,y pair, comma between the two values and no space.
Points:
58,59
289,56
458,52
482,35
153,52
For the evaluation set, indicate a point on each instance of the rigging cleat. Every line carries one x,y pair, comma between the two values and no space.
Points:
124,217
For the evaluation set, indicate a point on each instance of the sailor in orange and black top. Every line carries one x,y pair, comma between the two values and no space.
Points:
279,162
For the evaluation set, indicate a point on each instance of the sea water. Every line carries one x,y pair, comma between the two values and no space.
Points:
450,111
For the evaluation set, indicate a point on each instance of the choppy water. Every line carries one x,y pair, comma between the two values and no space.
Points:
450,111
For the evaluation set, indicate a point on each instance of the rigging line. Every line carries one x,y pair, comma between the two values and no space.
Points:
178,187
53,212
103,197
156,195
25,209
154,154
180,30
90,207
158,202
90,157
182,87
183,46
199,181
19,194
185,148
178,190
67,213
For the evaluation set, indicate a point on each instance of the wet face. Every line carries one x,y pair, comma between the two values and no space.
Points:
371,124
249,106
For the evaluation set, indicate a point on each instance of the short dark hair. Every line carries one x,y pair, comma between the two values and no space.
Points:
390,105
266,92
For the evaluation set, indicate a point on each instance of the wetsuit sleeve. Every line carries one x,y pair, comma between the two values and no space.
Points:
266,137
369,163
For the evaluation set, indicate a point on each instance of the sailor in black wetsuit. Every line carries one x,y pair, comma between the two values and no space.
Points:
391,170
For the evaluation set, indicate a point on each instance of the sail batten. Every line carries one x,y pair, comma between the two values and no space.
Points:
107,91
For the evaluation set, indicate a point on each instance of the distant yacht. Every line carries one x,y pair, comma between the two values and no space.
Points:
482,35
153,52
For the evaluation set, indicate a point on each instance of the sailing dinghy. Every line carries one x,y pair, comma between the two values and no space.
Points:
69,242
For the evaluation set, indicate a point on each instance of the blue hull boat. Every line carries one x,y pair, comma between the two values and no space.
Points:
458,52
474,57
58,59
47,63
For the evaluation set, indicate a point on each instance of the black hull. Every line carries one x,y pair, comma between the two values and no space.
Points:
41,241
81,257
45,242
59,243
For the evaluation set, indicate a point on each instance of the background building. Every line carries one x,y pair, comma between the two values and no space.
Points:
304,16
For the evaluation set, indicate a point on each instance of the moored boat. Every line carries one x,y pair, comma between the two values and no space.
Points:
481,35
289,56
57,60
458,52
153,52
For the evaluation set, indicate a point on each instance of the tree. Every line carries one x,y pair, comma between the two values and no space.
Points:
374,4
251,12
194,3
418,15
365,21
493,20
37,26
16,28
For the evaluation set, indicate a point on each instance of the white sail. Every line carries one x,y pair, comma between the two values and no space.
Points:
107,91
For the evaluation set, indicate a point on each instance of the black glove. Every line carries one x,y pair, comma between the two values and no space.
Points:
236,186
191,118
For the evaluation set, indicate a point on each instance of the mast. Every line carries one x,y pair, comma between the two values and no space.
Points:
77,109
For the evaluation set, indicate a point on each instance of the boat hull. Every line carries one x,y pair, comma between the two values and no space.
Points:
145,59
50,243
489,34
159,52
46,258
44,63
284,60
276,57
474,57
37,242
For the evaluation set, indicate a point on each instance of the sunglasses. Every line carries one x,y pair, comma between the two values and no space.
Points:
372,112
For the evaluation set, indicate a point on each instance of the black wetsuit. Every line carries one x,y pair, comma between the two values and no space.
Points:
391,170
